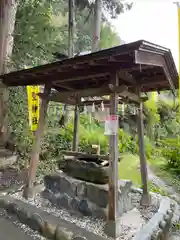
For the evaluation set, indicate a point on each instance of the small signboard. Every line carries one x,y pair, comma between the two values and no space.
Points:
111,125
33,106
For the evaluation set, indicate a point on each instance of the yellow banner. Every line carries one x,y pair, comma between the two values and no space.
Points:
179,47
154,96
33,106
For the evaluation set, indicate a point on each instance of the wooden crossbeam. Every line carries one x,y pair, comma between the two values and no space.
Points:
91,92
125,95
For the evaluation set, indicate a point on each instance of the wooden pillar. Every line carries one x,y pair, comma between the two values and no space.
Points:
28,190
145,200
113,225
76,127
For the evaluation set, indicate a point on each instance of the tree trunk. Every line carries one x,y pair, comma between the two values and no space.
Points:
36,148
70,46
8,10
97,25
71,29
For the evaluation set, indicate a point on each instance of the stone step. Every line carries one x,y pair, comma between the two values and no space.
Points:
6,157
5,153
175,236
8,160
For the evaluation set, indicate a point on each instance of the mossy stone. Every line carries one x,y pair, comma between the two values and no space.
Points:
24,216
36,222
3,203
49,230
62,234
77,237
12,208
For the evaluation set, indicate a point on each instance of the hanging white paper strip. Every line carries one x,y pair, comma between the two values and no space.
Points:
111,125
85,109
123,109
93,108
102,106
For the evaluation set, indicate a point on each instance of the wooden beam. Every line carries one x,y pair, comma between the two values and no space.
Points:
124,75
91,92
56,98
106,102
28,190
132,97
77,76
63,97
97,102
150,83
65,87
145,200
113,157
58,78
144,57
147,58
105,62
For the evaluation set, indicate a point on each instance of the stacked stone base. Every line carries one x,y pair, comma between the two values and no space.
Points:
6,157
84,197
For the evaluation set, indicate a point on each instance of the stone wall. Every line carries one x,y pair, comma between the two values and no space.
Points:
84,197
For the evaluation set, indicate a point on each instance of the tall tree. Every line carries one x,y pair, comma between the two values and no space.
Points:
8,10
96,25
111,8
37,33
100,11
71,24
109,37
70,45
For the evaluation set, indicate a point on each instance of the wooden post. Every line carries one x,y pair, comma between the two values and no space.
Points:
76,127
113,226
145,200
28,190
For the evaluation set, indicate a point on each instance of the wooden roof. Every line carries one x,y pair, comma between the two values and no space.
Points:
143,64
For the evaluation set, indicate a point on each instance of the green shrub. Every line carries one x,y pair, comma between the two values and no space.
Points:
156,189
126,142
92,135
149,147
170,149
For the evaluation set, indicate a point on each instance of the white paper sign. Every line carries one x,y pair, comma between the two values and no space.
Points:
111,125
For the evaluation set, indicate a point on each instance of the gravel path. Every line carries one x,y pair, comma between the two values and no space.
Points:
157,181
